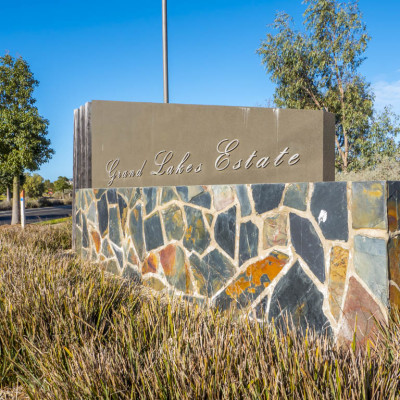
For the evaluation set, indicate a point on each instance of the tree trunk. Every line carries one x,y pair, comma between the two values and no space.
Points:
8,194
15,205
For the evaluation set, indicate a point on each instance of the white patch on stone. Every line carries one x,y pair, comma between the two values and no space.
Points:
323,215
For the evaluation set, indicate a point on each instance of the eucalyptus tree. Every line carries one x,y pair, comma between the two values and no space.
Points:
318,68
23,131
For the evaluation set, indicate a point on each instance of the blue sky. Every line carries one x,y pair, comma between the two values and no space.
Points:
103,50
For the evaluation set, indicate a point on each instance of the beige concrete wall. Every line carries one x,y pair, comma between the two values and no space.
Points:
126,136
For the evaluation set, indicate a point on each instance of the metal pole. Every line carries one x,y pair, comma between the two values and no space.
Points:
165,50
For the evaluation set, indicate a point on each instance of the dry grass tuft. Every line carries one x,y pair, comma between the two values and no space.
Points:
70,331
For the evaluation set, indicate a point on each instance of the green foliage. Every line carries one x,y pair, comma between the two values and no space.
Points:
48,186
318,69
61,184
34,185
23,142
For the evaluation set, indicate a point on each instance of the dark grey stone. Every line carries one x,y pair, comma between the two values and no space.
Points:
329,208
114,228
135,196
119,255
267,196
85,233
98,193
112,196
102,212
173,222
245,206
78,218
106,249
248,241
225,231
167,195
150,199
212,272
297,297
183,192
121,206
296,196
308,245
197,236
136,230
202,200
261,308
153,233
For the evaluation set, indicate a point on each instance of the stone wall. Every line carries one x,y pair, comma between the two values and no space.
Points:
327,253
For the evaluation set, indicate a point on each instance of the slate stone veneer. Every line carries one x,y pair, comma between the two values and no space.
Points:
326,253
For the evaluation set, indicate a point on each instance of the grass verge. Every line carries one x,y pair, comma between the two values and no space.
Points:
68,330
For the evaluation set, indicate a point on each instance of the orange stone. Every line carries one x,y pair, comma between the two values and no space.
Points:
394,296
150,264
359,314
167,258
337,278
96,240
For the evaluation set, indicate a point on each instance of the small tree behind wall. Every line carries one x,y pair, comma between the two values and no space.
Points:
23,142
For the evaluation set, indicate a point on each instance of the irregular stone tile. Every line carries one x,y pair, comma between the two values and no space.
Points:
88,196
370,262
85,233
187,193
123,211
96,240
78,240
368,205
202,200
92,214
173,222
150,199
394,259
337,278
209,218
78,219
251,283
394,296
131,274
212,272
308,245
275,231
132,257
245,206
196,235
135,196
359,310
114,227
102,212
136,230
296,196
98,193
329,208
223,196
150,264
106,249
296,295
112,196
111,266
248,242
225,231
126,193
172,259
393,205
167,195
119,255
154,284
152,232
267,196
261,308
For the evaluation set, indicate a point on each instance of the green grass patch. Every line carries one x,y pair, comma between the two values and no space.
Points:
54,221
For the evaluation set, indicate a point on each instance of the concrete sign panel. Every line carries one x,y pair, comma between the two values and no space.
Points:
124,144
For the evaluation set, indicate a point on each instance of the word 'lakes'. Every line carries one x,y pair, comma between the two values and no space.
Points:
225,148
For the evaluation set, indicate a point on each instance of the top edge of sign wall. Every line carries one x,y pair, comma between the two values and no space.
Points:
130,144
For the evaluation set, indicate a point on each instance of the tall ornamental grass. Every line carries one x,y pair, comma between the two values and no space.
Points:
68,330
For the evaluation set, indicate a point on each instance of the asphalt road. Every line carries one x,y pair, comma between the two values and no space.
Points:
38,214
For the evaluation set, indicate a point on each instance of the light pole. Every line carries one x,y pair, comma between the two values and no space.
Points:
165,50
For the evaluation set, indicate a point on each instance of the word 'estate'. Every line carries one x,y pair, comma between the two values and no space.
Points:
163,162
